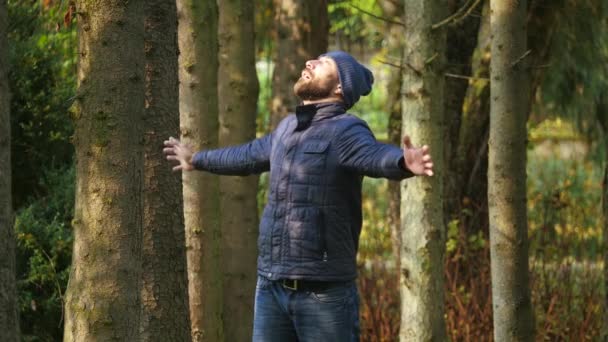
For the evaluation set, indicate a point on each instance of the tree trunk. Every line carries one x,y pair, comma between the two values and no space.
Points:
301,33
9,316
394,42
513,315
102,299
423,236
471,155
238,92
602,119
461,44
198,64
164,293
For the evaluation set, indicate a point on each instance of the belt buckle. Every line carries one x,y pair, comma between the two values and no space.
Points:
286,282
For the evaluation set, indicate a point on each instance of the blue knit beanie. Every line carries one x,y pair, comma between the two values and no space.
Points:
356,80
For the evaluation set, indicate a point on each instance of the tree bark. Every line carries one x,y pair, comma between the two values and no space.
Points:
461,45
164,292
513,315
423,236
394,43
301,33
198,68
238,92
102,299
9,316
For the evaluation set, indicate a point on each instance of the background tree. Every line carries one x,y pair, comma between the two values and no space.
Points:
164,295
300,33
513,315
9,318
238,91
102,300
423,238
198,65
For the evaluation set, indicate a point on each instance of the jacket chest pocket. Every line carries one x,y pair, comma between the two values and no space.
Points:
314,157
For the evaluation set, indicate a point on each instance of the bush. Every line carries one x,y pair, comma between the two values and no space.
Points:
44,252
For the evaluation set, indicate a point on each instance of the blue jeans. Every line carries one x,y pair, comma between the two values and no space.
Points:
284,315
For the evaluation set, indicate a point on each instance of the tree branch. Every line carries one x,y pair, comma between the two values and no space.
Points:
459,15
377,17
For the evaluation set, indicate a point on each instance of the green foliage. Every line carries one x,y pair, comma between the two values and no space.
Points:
44,251
577,74
351,26
42,69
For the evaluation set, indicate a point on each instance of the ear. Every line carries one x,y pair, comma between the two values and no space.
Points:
338,90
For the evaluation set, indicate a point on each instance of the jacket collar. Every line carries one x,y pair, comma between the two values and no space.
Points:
306,114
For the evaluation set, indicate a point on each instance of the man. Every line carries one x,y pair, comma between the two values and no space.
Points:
309,231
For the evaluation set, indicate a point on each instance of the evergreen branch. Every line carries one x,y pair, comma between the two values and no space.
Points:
377,17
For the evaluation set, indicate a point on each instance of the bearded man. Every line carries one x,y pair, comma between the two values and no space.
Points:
309,231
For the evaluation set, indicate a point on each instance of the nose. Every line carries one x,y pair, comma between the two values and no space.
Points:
311,64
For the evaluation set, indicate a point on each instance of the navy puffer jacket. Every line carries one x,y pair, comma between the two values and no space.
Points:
317,159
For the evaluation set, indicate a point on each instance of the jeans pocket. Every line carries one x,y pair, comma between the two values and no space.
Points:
262,283
334,294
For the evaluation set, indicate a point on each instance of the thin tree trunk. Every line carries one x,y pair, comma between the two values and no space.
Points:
9,316
164,293
238,92
471,155
513,315
102,299
394,34
461,45
423,236
198,64
602,119
301,33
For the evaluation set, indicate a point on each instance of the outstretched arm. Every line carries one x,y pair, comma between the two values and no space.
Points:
359,151
249,158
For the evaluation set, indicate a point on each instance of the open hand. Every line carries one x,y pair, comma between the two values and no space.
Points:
175,150
417,160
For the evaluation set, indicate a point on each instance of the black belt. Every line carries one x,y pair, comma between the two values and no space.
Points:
309,285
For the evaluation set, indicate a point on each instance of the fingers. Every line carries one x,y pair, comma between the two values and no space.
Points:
169,150
177,167
428,172
172,157
171,142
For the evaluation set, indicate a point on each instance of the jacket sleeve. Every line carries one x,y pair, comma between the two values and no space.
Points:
360,152
242,160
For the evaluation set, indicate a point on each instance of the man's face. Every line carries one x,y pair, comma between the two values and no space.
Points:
319,80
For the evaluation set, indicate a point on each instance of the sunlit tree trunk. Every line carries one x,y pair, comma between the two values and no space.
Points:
164,293
238,92
102,299
301,33
198,64
423,237
9,318
513,315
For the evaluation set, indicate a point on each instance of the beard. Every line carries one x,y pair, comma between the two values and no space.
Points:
314,89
